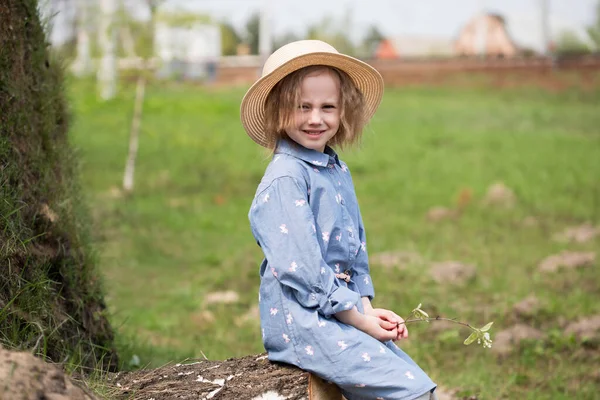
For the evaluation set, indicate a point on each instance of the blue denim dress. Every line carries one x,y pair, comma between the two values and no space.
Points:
305,218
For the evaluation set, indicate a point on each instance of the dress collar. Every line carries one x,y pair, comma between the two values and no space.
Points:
314,157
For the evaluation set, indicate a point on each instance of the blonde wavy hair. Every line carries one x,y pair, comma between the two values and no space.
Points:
284,98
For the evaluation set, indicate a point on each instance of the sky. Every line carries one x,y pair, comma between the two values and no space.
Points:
438,18
434,18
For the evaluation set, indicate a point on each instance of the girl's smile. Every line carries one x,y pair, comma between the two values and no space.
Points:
318,114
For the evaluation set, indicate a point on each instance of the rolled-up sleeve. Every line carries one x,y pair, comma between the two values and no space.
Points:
283,224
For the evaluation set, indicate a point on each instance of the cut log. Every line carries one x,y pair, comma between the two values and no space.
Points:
250,377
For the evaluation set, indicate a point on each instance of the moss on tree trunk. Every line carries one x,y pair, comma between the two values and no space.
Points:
51,300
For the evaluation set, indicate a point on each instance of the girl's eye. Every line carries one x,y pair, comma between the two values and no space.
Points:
329,106
304,107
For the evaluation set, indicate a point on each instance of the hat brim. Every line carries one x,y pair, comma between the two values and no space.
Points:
364,76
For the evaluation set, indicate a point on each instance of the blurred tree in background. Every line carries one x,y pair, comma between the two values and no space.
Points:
569,43
594,29
230,39
371,41
284,39
252,32
334,32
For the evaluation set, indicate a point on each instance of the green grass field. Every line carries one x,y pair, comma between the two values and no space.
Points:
184,232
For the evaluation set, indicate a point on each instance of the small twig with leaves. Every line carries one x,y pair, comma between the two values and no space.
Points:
480,334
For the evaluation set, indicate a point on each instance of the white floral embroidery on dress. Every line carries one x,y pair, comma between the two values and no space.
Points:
348,305
337,268
409,375
314,228
266,198
366,280
339,237
338,198
283,229
274,272
325,236
366,357
316,170
363,246
344,168
300,203
274,311
381,349
309,350
289,319
293,266
322,270
321,324
317,162
342,344
286,338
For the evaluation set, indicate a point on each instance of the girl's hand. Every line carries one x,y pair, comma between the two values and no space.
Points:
380,329
391,317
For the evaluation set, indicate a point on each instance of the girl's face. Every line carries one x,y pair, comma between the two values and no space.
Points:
317,117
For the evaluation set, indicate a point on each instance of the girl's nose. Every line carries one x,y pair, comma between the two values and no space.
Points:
315,116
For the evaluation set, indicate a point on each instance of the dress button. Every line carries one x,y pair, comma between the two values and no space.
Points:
343,202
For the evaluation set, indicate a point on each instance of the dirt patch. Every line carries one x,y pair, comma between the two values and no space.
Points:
578,234
585,329
436,214
500,195
451,394
241,378
507,339
567,260
530,222
226,297
452,272
24,376
252,316
203,318
396,259
527,307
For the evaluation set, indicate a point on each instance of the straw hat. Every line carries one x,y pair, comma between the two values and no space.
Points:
293,57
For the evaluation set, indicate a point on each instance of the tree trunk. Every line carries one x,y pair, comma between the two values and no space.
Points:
82,66
51,300
134,134
127,42
107,35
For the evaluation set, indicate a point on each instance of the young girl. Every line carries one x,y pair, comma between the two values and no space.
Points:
316,291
